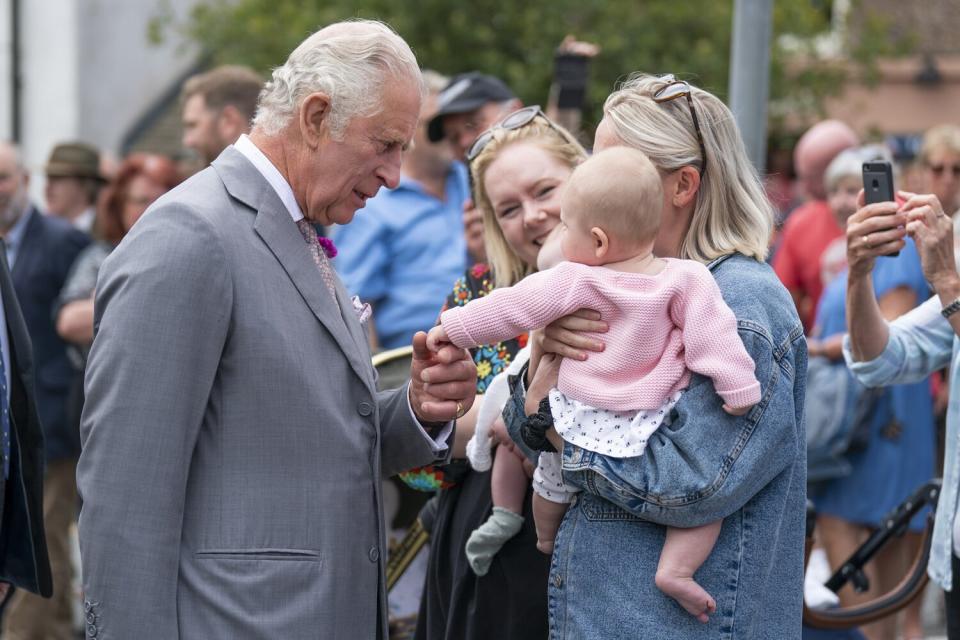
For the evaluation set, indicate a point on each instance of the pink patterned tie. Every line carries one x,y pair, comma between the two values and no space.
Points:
319,256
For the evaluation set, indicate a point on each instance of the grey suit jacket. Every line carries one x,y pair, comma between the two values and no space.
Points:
233,437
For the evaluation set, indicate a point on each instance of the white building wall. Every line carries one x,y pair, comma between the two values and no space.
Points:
49,103
113,47
6,69
88,72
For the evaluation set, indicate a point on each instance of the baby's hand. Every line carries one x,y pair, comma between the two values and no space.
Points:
436,338
736,411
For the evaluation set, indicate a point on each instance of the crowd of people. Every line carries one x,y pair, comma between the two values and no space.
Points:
609,407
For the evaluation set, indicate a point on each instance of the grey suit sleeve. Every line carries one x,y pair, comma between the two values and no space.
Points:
403,443
162,314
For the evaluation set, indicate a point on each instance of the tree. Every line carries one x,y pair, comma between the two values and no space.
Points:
516,40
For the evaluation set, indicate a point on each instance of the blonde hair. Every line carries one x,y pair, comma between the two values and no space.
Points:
507,268
944,137
731,211
618,190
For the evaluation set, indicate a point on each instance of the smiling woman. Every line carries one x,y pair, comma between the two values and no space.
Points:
518,177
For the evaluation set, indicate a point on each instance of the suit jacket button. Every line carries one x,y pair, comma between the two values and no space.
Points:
91,631
365,409
374,554
91,617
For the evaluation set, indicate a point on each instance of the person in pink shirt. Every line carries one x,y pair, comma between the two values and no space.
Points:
667,319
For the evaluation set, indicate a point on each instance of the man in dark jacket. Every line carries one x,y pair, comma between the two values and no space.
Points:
39,250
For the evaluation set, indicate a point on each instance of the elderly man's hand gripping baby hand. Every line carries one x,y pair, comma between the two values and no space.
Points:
443,378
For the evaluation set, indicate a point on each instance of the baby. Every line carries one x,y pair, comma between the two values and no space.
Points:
666,319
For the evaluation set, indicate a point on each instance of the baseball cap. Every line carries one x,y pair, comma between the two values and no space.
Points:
465,93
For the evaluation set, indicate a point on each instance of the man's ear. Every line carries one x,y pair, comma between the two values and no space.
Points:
231,122
314,118
601,242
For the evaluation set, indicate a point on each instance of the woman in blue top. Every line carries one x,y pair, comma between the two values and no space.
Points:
749,471
913,346
898,457
899,451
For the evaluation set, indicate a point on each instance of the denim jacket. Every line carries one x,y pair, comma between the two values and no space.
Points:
922,342
703,466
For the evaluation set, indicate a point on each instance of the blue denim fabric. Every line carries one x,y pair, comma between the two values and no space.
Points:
703,466
922,342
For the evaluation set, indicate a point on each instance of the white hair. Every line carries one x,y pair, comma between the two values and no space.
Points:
849,164
350,62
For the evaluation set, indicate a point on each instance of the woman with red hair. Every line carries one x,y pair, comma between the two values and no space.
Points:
141,179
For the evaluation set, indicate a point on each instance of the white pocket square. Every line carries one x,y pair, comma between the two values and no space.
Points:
362,309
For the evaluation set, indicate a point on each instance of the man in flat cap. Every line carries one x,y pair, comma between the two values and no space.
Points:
73,181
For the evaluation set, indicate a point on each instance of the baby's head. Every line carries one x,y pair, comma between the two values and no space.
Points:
611,207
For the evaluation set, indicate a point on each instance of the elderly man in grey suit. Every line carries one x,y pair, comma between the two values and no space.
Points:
233,437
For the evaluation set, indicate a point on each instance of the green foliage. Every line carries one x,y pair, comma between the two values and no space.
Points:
516,40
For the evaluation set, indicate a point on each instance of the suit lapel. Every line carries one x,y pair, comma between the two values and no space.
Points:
351,321
280,233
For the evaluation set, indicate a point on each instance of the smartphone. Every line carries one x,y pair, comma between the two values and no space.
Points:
878,184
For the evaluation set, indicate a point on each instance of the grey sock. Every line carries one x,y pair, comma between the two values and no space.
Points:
488,538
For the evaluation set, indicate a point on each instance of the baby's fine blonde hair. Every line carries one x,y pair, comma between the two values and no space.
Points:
618,190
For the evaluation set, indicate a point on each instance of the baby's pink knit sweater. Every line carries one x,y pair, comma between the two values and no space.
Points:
661,327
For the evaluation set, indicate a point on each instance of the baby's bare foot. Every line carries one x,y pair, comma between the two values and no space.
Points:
690,595
545,546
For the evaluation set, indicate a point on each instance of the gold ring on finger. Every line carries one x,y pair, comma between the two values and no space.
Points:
866,240
460,410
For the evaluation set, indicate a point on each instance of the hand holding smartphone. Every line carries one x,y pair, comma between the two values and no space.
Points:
878,185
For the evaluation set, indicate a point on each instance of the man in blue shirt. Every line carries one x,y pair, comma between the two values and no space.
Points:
408,248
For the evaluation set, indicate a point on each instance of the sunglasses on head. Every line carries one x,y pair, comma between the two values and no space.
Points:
938,169
672,90
516,120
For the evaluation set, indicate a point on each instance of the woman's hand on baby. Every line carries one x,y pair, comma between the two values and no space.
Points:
565,336
436,338
736,411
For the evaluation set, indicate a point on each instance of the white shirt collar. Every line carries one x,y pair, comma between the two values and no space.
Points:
271,174
84,221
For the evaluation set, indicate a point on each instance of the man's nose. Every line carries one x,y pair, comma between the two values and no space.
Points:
389,172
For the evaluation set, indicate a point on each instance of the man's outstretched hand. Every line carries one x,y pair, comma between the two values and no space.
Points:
443,385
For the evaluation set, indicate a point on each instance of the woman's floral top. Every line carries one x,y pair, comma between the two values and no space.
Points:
490,360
